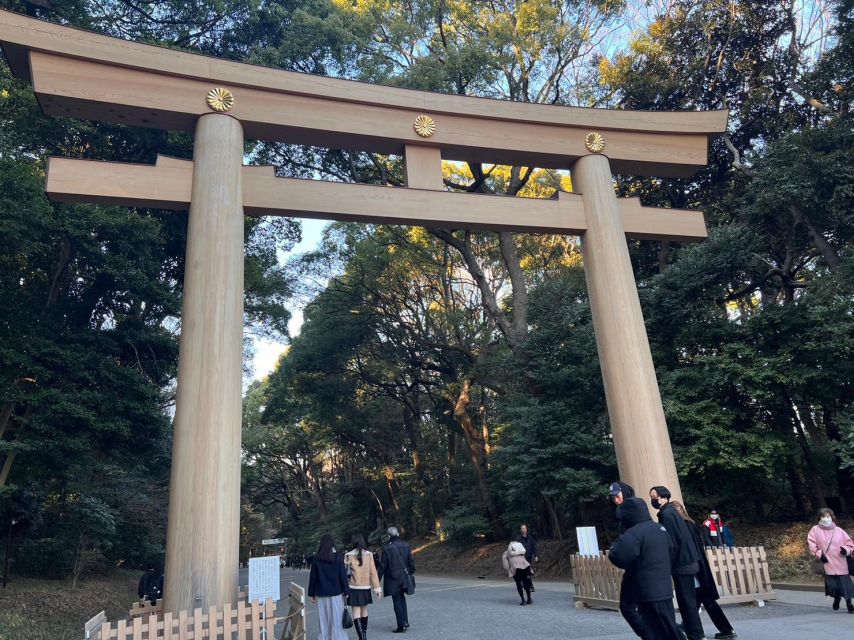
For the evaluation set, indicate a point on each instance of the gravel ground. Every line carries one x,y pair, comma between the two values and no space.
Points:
472,609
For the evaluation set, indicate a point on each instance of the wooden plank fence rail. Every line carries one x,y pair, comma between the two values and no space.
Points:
741,575
147,607
244,621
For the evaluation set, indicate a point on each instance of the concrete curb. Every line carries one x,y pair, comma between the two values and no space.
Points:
790,586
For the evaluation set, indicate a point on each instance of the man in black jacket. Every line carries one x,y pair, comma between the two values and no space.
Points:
687,563
620,492
532,555
645,552
397,562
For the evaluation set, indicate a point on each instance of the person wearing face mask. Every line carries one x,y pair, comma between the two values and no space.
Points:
712,530
687,563
832,545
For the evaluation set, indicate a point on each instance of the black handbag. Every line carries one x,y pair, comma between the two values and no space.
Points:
346,618
850,564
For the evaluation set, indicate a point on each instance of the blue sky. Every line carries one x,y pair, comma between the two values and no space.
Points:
267,352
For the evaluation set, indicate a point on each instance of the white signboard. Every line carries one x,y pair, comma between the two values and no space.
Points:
264,579
269,541
588,544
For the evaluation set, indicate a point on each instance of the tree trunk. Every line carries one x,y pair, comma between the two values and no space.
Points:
477,446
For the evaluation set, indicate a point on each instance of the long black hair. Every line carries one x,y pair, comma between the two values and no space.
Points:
357,541
326,550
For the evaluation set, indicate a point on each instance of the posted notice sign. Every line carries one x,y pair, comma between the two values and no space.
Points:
588,544
264,579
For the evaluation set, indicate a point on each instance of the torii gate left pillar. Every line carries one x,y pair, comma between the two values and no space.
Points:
204,496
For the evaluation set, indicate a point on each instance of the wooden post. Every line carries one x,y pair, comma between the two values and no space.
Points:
204,501
423,167
641,440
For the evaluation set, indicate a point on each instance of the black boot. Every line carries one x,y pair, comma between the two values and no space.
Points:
357,625
365,628
836,603
850,606
529,598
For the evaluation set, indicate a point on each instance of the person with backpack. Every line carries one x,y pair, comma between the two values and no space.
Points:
398,570
517,567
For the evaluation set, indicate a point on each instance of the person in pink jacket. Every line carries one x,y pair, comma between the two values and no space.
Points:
519,569
832,545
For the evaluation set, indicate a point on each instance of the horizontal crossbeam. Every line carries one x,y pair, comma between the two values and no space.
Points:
86,75
167,185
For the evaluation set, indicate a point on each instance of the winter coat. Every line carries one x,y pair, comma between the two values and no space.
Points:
327,579
645,551
513,560
712,533
530,545
362,576
687,562
628,492
830,542
397,556
708,590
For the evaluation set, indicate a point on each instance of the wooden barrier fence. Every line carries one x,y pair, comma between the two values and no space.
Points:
294,628
245,621
741,575
147,607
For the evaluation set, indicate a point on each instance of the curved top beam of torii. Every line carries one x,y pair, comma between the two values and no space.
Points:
82,74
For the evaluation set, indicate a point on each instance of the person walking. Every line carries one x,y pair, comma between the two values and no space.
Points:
363,579
707,591
327,588
832,545
687,563
532,554
645,551
397,563
518,567
713,530
620,492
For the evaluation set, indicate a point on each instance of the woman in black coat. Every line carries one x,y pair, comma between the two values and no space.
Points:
707,592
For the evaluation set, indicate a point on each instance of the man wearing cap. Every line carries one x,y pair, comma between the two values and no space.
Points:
623,494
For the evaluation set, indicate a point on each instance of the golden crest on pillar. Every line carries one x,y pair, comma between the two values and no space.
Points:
220,99
594,142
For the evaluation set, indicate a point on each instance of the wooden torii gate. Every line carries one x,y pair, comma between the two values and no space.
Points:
81,74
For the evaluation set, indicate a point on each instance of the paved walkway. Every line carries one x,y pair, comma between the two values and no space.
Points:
471,609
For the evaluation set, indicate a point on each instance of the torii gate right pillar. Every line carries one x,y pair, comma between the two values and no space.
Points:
641,440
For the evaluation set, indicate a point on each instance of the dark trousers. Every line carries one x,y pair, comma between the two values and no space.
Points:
523,583
629,609
686,598
715,612
400,612
660,620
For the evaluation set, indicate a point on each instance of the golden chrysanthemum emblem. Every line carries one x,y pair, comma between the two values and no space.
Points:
594,142
424,126
220,100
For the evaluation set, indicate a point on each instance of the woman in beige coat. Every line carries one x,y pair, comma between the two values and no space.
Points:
519,569
363,578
